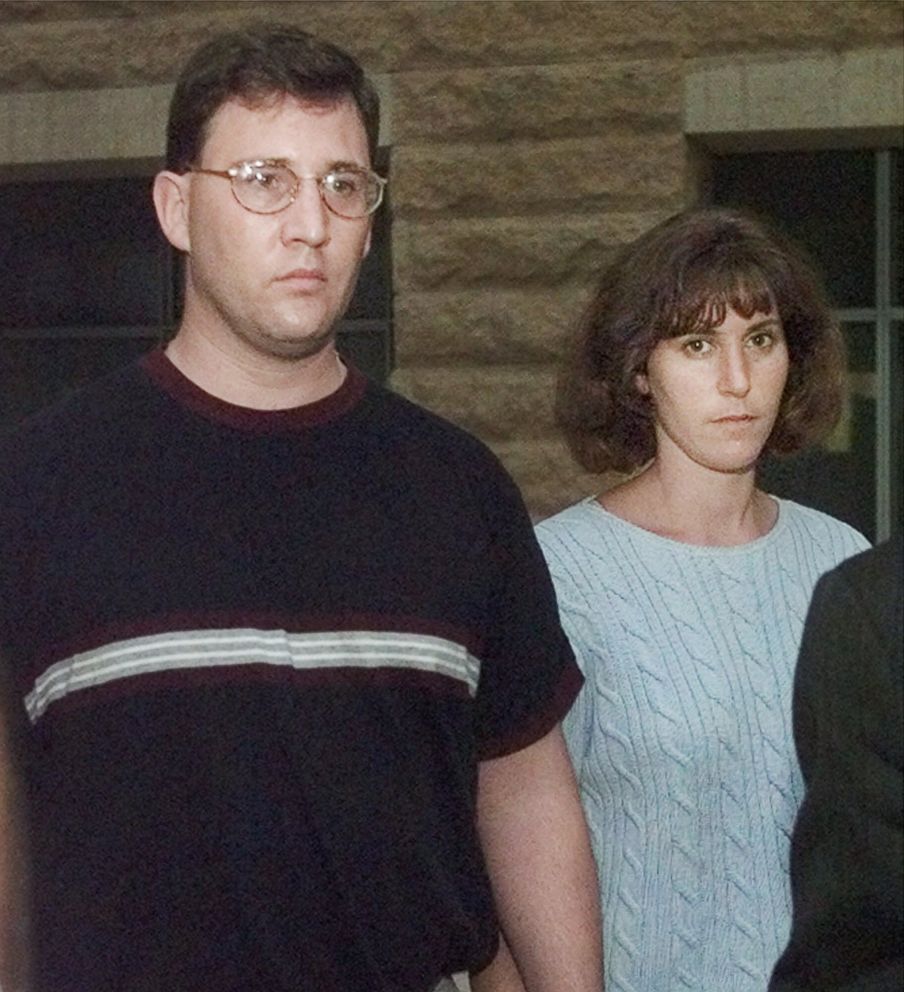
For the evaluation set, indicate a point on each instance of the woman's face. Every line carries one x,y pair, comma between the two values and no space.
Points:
716,394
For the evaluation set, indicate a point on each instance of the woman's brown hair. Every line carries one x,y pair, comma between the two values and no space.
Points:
679,278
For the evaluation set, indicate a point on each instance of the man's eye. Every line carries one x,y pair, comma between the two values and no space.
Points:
260,176
264,178
763,339
697,346
343,183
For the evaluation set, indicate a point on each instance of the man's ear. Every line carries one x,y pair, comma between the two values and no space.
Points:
366,246
171,203
641,384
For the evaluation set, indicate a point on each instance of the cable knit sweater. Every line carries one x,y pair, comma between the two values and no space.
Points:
682,738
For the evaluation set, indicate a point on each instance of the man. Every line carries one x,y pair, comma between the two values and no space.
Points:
286,644
847,853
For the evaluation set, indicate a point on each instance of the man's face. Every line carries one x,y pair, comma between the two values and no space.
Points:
274,283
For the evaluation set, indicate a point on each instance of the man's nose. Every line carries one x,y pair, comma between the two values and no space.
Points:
307,218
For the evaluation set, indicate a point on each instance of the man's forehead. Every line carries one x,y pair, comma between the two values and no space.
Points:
238,119
272,107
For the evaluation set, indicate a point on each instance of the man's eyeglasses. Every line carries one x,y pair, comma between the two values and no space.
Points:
266,187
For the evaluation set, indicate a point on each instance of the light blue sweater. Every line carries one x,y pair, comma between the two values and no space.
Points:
682,739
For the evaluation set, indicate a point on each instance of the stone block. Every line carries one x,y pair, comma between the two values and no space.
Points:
511,252
492,402
97,53
151,45
539,101
35,10
511,32
486,326
130,45
91,45
594,173
721,27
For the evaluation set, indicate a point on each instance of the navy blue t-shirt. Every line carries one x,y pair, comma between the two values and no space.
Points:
260,654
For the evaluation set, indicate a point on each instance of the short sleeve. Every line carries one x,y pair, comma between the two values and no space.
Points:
529,678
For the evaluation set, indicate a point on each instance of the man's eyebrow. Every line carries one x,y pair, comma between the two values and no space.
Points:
288,163
342,164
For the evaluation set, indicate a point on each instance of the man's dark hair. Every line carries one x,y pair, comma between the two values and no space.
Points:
257,66
680,278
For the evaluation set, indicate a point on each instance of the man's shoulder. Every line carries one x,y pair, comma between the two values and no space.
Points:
828,535
441,461
409,421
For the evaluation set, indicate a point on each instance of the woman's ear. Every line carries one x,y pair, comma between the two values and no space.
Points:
171,193
641,384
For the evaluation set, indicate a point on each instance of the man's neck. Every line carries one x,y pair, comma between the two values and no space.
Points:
259,382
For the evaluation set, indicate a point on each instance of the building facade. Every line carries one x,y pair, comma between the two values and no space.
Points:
525,143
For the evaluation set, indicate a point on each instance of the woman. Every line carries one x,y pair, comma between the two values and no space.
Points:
684,591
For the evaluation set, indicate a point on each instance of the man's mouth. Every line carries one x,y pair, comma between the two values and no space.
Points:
302,275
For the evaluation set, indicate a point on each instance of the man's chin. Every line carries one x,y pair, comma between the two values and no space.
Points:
296,346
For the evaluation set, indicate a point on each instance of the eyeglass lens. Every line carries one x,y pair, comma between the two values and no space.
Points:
266,188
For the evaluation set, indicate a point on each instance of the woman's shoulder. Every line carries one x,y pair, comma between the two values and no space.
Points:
580,534
565,520
584,524
833,537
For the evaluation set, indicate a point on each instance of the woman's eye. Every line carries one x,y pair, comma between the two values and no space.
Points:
697,346
763,339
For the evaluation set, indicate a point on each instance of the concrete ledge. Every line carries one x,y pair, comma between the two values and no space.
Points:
71,125
820,100
48,126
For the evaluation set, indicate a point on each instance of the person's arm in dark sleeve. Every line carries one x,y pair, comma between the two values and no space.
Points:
847,855
13,903
529,817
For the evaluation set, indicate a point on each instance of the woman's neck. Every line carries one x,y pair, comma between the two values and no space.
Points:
695,505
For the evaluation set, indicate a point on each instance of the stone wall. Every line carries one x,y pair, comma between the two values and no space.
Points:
530,140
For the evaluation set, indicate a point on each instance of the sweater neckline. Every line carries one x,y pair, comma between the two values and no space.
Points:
158,367
593,504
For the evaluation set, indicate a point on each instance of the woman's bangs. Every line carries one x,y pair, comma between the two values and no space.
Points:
705,304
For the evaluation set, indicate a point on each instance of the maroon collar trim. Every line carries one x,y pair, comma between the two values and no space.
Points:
165,374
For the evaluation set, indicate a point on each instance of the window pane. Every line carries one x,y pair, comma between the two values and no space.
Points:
34,373
372,297
825,200
897,426
82,253
839,476
897,228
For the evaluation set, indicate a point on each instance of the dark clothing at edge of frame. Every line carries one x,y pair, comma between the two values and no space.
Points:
847,858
